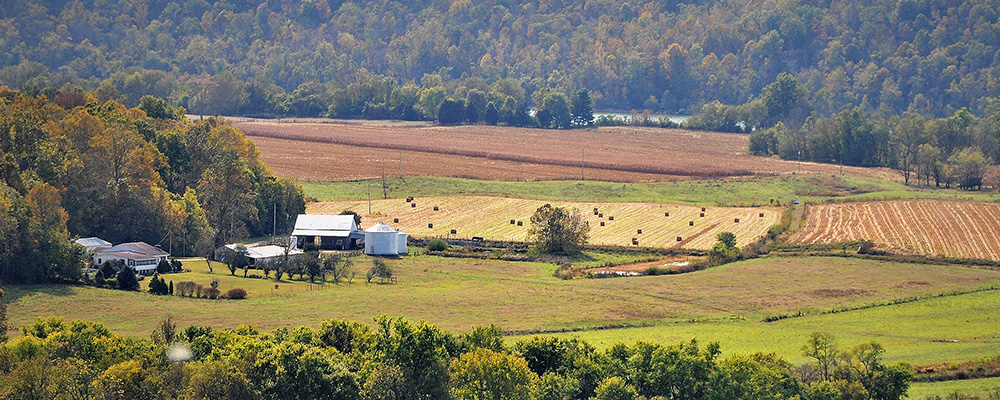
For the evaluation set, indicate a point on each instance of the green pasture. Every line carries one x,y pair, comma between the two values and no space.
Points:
972,387
749,191
724,304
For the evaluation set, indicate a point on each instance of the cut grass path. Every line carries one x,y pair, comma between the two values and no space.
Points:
726,304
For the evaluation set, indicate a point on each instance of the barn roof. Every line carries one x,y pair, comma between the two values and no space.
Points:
265,251
324,225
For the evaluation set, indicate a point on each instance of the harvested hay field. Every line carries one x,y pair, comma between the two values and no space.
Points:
962,229
490,218
337,151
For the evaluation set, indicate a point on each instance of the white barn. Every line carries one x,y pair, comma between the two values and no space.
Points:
329,232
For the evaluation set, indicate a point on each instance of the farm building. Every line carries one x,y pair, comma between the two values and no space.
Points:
140,256
328,232
382,240
262,254
92,243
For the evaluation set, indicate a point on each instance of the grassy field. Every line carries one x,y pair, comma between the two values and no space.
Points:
755,191
724,304
974,387
615,224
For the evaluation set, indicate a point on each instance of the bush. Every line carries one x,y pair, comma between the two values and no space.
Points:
236,294
212,293
437,245
163,267
158,286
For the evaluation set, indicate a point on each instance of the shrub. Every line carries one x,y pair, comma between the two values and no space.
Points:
236,294
437,245
158,286
163,267
185,289
212,293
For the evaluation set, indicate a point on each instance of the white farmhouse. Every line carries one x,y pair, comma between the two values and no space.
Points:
140,256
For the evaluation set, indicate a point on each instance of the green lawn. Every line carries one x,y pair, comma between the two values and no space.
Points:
724,304
719,192
976,387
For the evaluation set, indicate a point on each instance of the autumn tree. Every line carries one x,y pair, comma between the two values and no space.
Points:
485,374
556,230
968,167
226,189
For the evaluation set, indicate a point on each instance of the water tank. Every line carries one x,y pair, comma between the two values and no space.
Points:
380,240
401,241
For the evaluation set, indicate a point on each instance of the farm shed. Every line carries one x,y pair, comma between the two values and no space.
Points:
382,240
329,232
140,256
92,243
263,254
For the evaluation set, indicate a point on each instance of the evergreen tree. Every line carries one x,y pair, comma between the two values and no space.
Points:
583,108
126,279
490,116
451,112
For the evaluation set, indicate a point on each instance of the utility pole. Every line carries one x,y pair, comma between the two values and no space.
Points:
385,187
583,162
274,219
401,167
369,197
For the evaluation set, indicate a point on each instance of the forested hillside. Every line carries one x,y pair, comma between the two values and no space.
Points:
402,59
75,167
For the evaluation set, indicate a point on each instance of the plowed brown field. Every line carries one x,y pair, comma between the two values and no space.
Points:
930,227
339,151
490,217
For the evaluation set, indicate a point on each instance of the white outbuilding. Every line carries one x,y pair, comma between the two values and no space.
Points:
381,240
401,241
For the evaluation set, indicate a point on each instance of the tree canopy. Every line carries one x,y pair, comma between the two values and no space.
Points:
103,169
556,230
375,59
395,358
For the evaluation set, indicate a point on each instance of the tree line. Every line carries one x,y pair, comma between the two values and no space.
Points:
73,166
399,359
337,58
952,150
